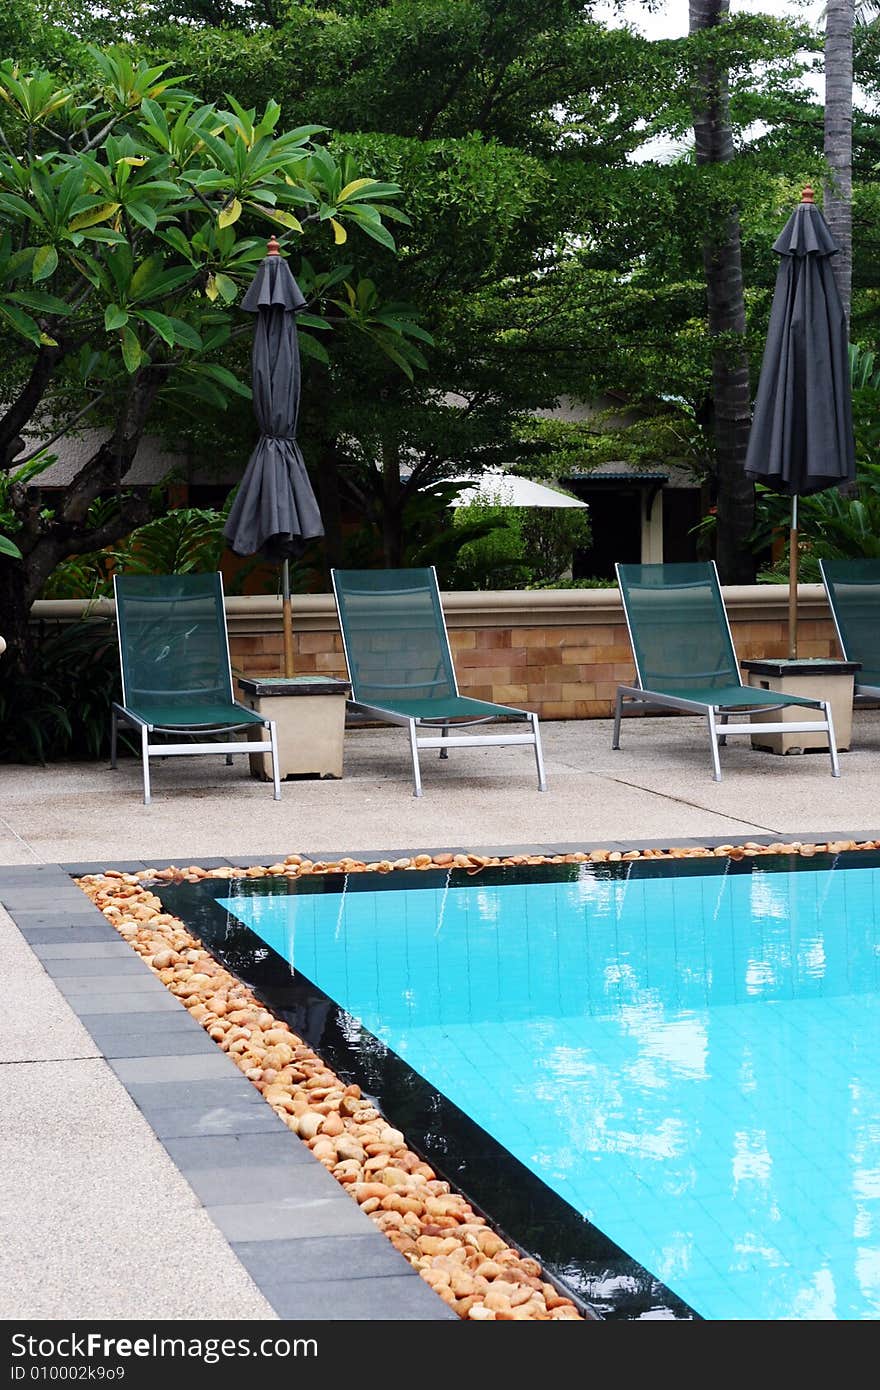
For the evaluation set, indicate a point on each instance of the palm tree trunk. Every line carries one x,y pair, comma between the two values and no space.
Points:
722,263
839,23
392,504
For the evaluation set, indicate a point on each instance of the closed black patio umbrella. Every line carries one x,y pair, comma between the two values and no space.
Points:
275,511
801,440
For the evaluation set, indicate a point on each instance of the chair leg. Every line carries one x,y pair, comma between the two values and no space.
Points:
444,733
229,760
722,738
618,711
832,741
145,757
414,750
713,739
273,738
539,753
114,730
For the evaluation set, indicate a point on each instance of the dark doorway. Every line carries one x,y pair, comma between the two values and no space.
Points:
616,524
682,511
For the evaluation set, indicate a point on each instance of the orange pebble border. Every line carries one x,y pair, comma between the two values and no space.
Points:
454,1249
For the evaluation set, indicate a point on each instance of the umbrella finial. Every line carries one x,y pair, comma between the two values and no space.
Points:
808,195
272,247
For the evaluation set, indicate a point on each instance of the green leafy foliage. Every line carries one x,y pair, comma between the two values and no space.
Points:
156,210
132,216
549,263
186,540
60,708
12,484
831,526
525,547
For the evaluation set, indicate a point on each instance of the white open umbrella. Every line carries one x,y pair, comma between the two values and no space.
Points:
507,490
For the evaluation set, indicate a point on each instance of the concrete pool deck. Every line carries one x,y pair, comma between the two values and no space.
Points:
126,1132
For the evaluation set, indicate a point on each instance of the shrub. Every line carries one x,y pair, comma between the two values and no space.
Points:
60,708
528,546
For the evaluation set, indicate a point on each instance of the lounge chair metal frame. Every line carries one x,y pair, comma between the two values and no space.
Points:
414,724
126,716
641,696
863,691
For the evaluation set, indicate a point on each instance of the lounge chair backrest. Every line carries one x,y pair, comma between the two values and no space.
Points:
394,635
853,589
678,626
173,644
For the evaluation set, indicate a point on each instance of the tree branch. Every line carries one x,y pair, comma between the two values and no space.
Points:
101,135
23,407
65,428
137,512
106,466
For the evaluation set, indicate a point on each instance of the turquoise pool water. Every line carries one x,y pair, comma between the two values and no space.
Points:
692,1063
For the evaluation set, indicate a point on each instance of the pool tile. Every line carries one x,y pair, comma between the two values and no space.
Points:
237,1151
108,980
261,1182
350,1257
30,919
236,1117
294,1217
81,951
147,1001
402,1298
162,1034
139,1071
116,967
92,930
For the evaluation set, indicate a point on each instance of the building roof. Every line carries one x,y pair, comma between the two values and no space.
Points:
153,462
620,471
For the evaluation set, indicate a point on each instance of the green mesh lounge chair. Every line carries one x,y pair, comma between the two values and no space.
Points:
400,665
853,589
176,672
685,658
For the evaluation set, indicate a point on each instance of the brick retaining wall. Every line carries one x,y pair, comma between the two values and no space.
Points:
561,652
563,660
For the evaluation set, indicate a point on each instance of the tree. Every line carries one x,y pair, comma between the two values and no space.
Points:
722,258
839,22
132,216
488,113
544,259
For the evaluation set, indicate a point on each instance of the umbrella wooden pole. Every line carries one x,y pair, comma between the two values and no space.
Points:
793,581
287,619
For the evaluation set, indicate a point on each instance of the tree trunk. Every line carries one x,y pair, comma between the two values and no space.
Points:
839,22
722,262
22,580
392,516
331,514
15,610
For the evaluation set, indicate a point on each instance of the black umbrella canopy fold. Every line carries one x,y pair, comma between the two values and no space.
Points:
801,439
275,511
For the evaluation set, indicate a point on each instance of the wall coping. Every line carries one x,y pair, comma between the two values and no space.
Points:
482,608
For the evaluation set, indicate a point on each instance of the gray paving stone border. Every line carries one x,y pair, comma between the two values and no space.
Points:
323,855
309,1248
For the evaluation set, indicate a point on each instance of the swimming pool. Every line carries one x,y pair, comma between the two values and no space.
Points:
681,1058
